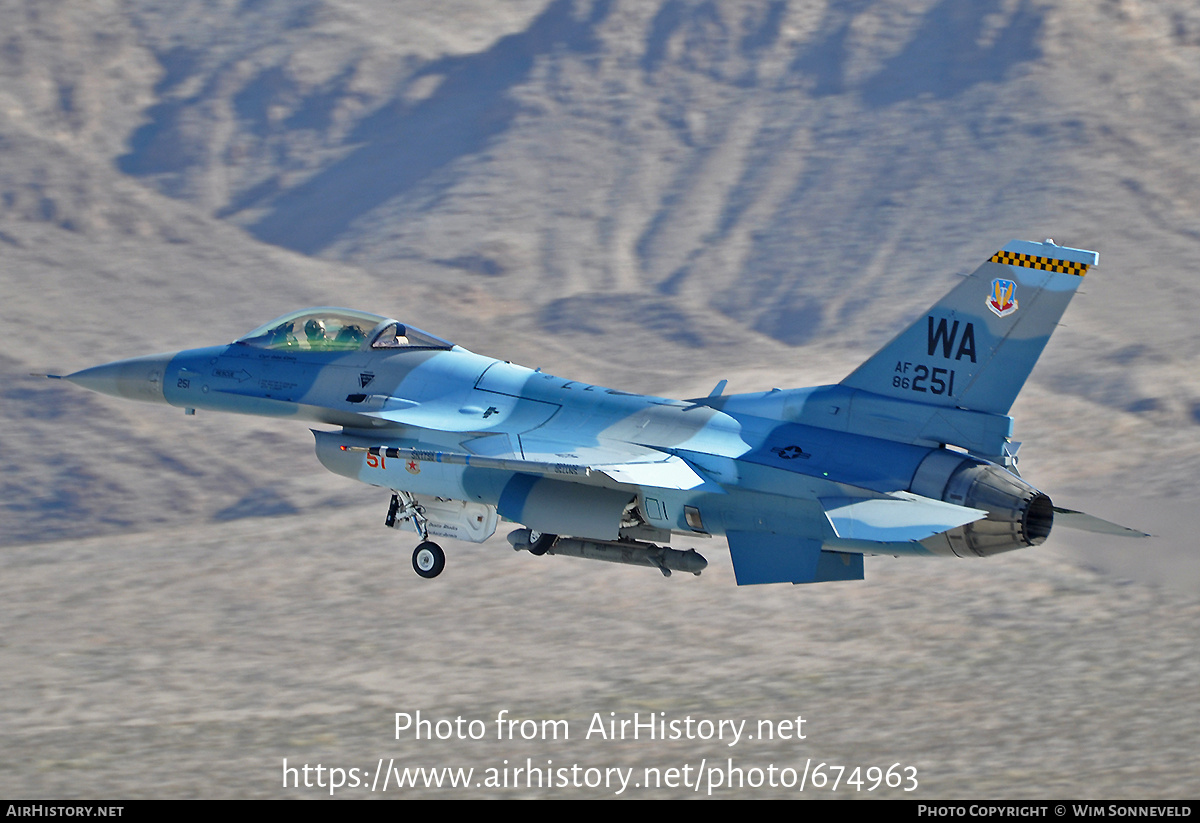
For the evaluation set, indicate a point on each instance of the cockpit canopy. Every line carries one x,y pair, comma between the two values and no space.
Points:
333,329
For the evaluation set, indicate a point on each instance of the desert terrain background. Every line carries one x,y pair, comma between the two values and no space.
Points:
648,195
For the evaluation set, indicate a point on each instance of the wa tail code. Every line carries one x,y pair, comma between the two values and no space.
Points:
940,337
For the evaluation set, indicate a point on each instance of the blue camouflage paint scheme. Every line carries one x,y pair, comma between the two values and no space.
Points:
909,455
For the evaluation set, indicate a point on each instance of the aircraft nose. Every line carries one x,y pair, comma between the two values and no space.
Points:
138,378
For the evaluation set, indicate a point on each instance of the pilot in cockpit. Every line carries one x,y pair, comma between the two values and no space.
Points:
281,337
350,337
314,330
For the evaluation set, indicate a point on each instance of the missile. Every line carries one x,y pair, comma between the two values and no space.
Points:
632,553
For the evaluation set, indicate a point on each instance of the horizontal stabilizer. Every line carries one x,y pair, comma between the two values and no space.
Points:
1088,523
898,519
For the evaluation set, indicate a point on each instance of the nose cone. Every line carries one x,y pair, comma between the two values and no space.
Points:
138,378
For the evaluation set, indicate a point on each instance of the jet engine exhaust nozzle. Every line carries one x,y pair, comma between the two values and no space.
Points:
1018,515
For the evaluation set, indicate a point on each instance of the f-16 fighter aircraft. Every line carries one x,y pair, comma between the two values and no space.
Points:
909,455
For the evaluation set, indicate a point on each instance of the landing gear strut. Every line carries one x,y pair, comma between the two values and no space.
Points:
428,559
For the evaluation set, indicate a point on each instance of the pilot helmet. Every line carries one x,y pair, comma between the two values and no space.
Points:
314,329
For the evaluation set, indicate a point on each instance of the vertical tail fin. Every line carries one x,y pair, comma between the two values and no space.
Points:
976,346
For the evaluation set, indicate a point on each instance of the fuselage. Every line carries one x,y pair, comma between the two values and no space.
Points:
911,453
753,473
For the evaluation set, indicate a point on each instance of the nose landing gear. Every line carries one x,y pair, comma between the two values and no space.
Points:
428,559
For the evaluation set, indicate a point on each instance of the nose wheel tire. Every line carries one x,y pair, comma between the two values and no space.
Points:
428,560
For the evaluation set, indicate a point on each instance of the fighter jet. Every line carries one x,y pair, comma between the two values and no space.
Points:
911,454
